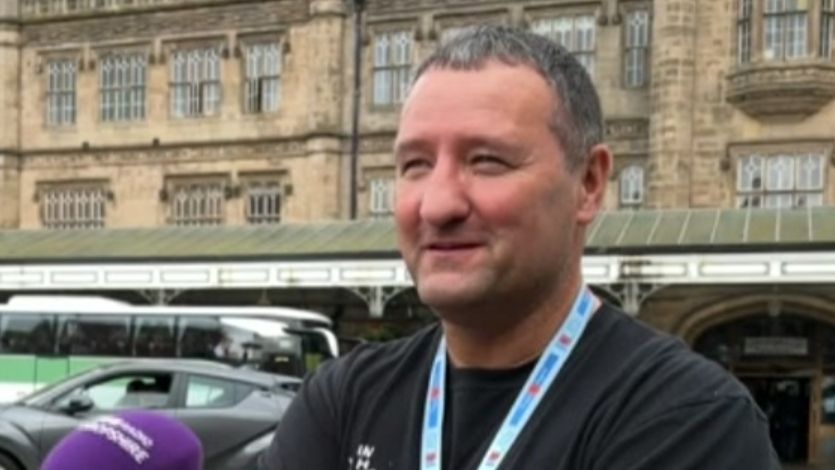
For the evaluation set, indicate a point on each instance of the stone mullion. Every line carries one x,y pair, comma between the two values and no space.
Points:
814,25
757,29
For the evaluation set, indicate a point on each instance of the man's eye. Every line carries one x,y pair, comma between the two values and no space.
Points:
413,166
488,162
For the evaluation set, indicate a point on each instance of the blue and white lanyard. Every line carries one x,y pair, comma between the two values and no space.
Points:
546,370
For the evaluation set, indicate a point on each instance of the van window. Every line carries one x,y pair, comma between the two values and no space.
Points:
154,336
95,335
27,333
200,337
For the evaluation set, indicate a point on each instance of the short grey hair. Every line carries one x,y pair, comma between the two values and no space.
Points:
577,120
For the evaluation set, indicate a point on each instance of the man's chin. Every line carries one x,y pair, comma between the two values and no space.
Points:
448,297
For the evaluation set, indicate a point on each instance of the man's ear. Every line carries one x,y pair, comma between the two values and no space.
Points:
594,177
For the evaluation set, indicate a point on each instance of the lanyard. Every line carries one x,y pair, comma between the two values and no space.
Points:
540,380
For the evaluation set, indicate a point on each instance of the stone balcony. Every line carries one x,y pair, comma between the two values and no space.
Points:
782,90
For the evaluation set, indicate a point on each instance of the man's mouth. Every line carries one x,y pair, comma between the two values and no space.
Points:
452,246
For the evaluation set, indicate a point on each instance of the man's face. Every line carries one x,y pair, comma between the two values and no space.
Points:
486,206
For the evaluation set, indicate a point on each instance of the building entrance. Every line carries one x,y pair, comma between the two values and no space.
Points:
786,402
787,361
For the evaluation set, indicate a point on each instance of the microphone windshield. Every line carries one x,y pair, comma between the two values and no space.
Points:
127,441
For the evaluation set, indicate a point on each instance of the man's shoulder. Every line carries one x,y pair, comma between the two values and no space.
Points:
375,361
654,403
657,368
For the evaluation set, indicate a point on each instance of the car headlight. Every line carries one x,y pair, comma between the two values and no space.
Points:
259,445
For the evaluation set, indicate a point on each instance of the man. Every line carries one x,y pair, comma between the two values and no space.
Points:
500,170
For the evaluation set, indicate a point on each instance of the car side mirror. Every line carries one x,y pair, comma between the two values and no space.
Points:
78,404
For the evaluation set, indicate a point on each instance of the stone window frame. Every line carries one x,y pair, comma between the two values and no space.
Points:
763,189
399,73
254,100
633,195
587,57
136,107
73,204
787,27
377,181
37,8
643,52
196,199
264,196
195,91
43,8
827,29
60,92
744,31
819,31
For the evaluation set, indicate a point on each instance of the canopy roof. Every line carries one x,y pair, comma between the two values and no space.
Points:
626,232
699,230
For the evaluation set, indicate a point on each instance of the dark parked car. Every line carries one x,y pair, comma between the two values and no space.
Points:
233,411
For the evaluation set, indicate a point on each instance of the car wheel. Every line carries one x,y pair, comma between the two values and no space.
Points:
6,463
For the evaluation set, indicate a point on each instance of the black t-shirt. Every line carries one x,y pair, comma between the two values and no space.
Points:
627,398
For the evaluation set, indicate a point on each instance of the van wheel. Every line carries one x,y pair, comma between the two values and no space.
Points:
6,463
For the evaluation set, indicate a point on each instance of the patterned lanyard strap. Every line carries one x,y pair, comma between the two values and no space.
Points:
546,370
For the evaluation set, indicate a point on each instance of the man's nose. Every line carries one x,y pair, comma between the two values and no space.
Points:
445,198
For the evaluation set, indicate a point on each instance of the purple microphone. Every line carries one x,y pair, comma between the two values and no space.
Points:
127,441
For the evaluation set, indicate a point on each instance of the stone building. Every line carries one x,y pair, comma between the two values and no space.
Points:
147,114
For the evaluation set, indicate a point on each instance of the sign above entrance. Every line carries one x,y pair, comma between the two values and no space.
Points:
776,346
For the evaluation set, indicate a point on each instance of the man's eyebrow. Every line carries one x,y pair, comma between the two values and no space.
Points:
493,143
486,141
409,145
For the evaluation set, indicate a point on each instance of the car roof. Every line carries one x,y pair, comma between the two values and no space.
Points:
274,382
197,366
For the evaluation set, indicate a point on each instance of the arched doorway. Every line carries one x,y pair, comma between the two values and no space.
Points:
787,360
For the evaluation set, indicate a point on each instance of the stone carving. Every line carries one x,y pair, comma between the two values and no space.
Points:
377,143
627,129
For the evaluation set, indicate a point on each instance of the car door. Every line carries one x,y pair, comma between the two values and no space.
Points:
225,414
109,394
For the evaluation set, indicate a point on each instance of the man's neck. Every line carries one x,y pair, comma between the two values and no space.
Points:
512,338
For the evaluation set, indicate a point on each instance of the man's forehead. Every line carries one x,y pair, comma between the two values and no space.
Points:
490,78
443,71
494,84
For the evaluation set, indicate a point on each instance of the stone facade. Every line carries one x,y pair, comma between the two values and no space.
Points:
9,114
302,143
703,109
683,126
700,112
